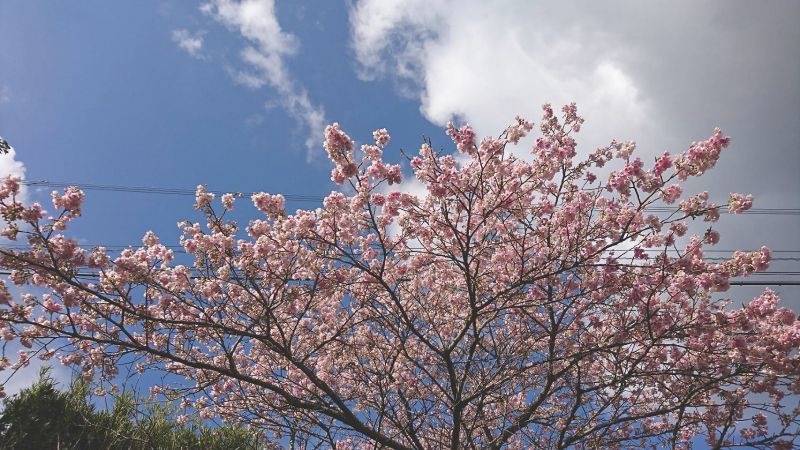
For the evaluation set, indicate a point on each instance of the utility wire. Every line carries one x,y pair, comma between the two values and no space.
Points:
318,199
124,246
156,190
314,198
179,249
757,211
732,283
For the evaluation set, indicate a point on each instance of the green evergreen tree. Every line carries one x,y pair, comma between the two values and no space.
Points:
44,417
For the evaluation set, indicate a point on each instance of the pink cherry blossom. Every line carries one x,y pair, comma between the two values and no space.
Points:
739,203
463,137
381,137
227,201
516,303
203,198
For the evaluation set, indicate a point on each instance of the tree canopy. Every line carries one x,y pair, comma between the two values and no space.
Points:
544,300
45,417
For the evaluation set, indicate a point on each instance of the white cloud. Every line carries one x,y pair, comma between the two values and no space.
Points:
9,165
661,75
26,376
190,42
485,62
268,46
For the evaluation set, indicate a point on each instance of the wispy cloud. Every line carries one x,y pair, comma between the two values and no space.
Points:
190,42
268,45
26,376
5,94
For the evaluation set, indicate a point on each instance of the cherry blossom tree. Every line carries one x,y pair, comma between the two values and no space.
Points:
521,302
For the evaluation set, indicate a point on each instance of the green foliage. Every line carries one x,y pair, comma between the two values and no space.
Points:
44,417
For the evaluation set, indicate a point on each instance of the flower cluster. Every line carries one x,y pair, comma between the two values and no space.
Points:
701,156
340,150
738,203
463,137
271,205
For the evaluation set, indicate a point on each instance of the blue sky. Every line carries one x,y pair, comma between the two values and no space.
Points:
167,94
101,93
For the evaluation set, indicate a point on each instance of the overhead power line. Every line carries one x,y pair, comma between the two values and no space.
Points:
732,283
319,199
752,211
790,273
124,246
312,198
156,190
180,249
